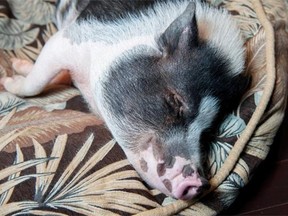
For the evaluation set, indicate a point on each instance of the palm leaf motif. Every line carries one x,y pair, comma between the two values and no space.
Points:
13,134
97,193
229,189
49,31
5,119
28,50
16,34
232,126
8,102
256,64
5,195
198,209
33,11
42,183
243,13
12,172
36,123
10,208
54,97
5,65
217,156
40,212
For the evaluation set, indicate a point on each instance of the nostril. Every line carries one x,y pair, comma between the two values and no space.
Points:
188,193
185,192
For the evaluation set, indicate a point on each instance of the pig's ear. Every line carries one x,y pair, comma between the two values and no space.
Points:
182,32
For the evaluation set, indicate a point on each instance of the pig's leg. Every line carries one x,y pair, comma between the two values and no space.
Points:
24,67
21,66
47,66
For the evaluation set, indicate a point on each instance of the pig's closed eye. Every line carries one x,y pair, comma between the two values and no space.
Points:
176,107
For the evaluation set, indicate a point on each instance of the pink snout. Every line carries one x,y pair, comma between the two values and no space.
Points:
190,187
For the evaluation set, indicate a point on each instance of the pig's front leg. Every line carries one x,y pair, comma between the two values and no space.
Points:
21,67
32,79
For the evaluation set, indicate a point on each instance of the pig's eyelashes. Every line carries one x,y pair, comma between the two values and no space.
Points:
176,107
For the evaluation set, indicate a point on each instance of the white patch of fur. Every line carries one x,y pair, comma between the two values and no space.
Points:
223,32
224,35
104,54
154,23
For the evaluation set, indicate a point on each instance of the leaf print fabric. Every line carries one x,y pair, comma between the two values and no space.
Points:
56,158
80,182
17,34
35,11
24,28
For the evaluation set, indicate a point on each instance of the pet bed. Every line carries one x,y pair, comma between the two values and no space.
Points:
58,159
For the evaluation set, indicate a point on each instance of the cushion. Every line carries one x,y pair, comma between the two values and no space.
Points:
57,158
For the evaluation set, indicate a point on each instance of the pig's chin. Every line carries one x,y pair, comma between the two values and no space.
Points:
181,181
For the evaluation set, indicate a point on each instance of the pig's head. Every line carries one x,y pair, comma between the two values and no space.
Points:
160,103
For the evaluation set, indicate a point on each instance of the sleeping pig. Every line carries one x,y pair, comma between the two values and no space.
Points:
160,73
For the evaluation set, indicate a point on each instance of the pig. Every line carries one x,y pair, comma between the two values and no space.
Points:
160,73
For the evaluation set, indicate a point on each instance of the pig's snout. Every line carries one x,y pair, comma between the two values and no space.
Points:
190,187
182,179
175,176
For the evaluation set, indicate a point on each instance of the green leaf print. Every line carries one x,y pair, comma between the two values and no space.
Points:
15,34
33,11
